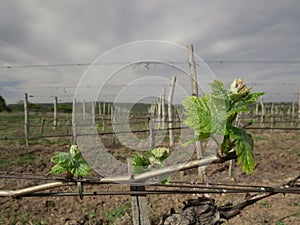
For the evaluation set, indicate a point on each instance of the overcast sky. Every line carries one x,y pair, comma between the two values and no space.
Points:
258,40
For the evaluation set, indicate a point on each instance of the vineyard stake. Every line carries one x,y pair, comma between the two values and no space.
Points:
74,135
299,107
170,115
42,126
26,114
55,113
138,202
163,109
192,66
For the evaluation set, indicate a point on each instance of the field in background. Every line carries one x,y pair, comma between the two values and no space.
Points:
276,152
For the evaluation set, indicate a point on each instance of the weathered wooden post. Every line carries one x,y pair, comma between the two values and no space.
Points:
138,202
99,108
163,110
74,135
104,108
159,109
83,111
193,75
109,110
272,117
192,66
256,108
151,126
26,119
93,114
262,116
66,125
170,114
42,126
55,113
299,107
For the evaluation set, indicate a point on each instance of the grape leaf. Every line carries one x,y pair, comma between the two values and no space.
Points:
215,113
244,148
70,162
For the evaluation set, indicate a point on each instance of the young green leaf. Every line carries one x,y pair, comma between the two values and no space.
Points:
153,159
215,113
244,148
70,162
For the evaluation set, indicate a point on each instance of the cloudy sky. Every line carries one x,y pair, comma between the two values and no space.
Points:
46,46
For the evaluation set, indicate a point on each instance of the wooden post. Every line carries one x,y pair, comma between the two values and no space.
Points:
55,113
159,108
163,110
170,115
138,202
66,125
152,131
83,111
103,108
26,119
42,126
74,135
256,109
93,114
272,118
192,66
99,108
108,110
299,107
262,112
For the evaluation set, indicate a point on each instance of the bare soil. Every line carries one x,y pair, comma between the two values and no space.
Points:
277,157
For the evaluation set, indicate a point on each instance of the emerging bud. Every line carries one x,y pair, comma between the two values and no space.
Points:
74,150
238,89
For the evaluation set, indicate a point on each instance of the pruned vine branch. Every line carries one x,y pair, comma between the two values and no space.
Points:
29,190
204,211
124,179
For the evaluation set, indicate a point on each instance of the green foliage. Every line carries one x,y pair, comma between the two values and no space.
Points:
215,113
62,107
3,106
70,162
118,212
152,159
24,159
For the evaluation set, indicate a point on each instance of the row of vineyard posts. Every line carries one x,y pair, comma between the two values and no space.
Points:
271,113
263,115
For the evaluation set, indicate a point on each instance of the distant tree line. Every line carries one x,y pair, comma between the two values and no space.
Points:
36,107
3,106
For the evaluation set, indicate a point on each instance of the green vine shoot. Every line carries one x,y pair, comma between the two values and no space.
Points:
214,114
72,163
152,159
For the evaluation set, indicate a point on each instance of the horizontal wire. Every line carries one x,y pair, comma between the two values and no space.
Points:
136,131
153,62
174,184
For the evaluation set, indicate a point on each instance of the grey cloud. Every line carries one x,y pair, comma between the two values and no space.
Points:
39,32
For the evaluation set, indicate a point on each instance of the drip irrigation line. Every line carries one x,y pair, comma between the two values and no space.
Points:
269,128
287,190
215,187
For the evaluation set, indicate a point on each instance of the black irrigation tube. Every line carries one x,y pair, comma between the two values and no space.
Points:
214,187
289,190
95,180
269,128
